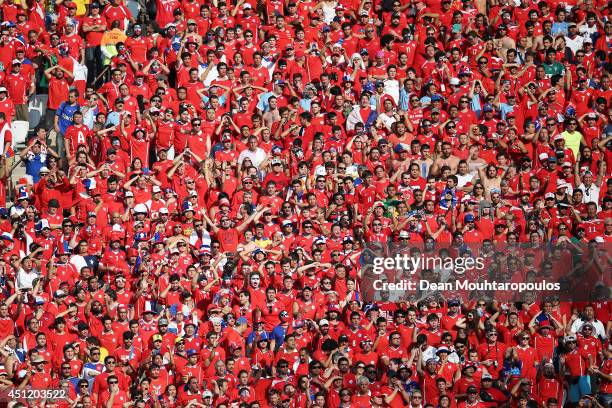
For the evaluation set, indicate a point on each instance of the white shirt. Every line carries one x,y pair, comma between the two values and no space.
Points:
575,44
462,180
600,331
387,120
257,157
26,279
590,194
392,87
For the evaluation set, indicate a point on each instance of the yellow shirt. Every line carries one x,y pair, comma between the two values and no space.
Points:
572,141
81,7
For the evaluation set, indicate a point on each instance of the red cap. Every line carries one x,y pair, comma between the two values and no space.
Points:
132,252
299,54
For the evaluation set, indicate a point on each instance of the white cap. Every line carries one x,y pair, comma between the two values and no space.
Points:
207,394
543,156
3,89
43,169
404,234
156,189
163,210
454,81
128,194
323,322
141,208
247,6
16,61
549,195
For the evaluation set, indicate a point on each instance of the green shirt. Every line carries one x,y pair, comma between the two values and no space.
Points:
553,69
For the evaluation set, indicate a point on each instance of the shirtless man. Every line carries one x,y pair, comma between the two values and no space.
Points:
490,179
446,159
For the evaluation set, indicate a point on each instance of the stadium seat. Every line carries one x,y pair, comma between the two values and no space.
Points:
20,132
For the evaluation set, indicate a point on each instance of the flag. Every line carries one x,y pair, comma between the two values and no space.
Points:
28,241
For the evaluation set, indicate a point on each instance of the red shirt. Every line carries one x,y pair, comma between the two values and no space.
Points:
18,86
58,92
575,362
78,135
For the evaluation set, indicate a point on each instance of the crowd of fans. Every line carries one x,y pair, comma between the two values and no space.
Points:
206,177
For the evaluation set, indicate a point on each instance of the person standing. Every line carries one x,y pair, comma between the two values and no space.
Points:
20,87
94,26
62,120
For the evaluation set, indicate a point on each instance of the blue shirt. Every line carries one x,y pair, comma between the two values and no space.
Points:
65,113
559,28
403,99
505,109
278,335
113,118
251,338
305,104
263,105
90,117
33,166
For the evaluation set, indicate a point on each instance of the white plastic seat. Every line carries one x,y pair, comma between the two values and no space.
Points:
19,128
36,109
